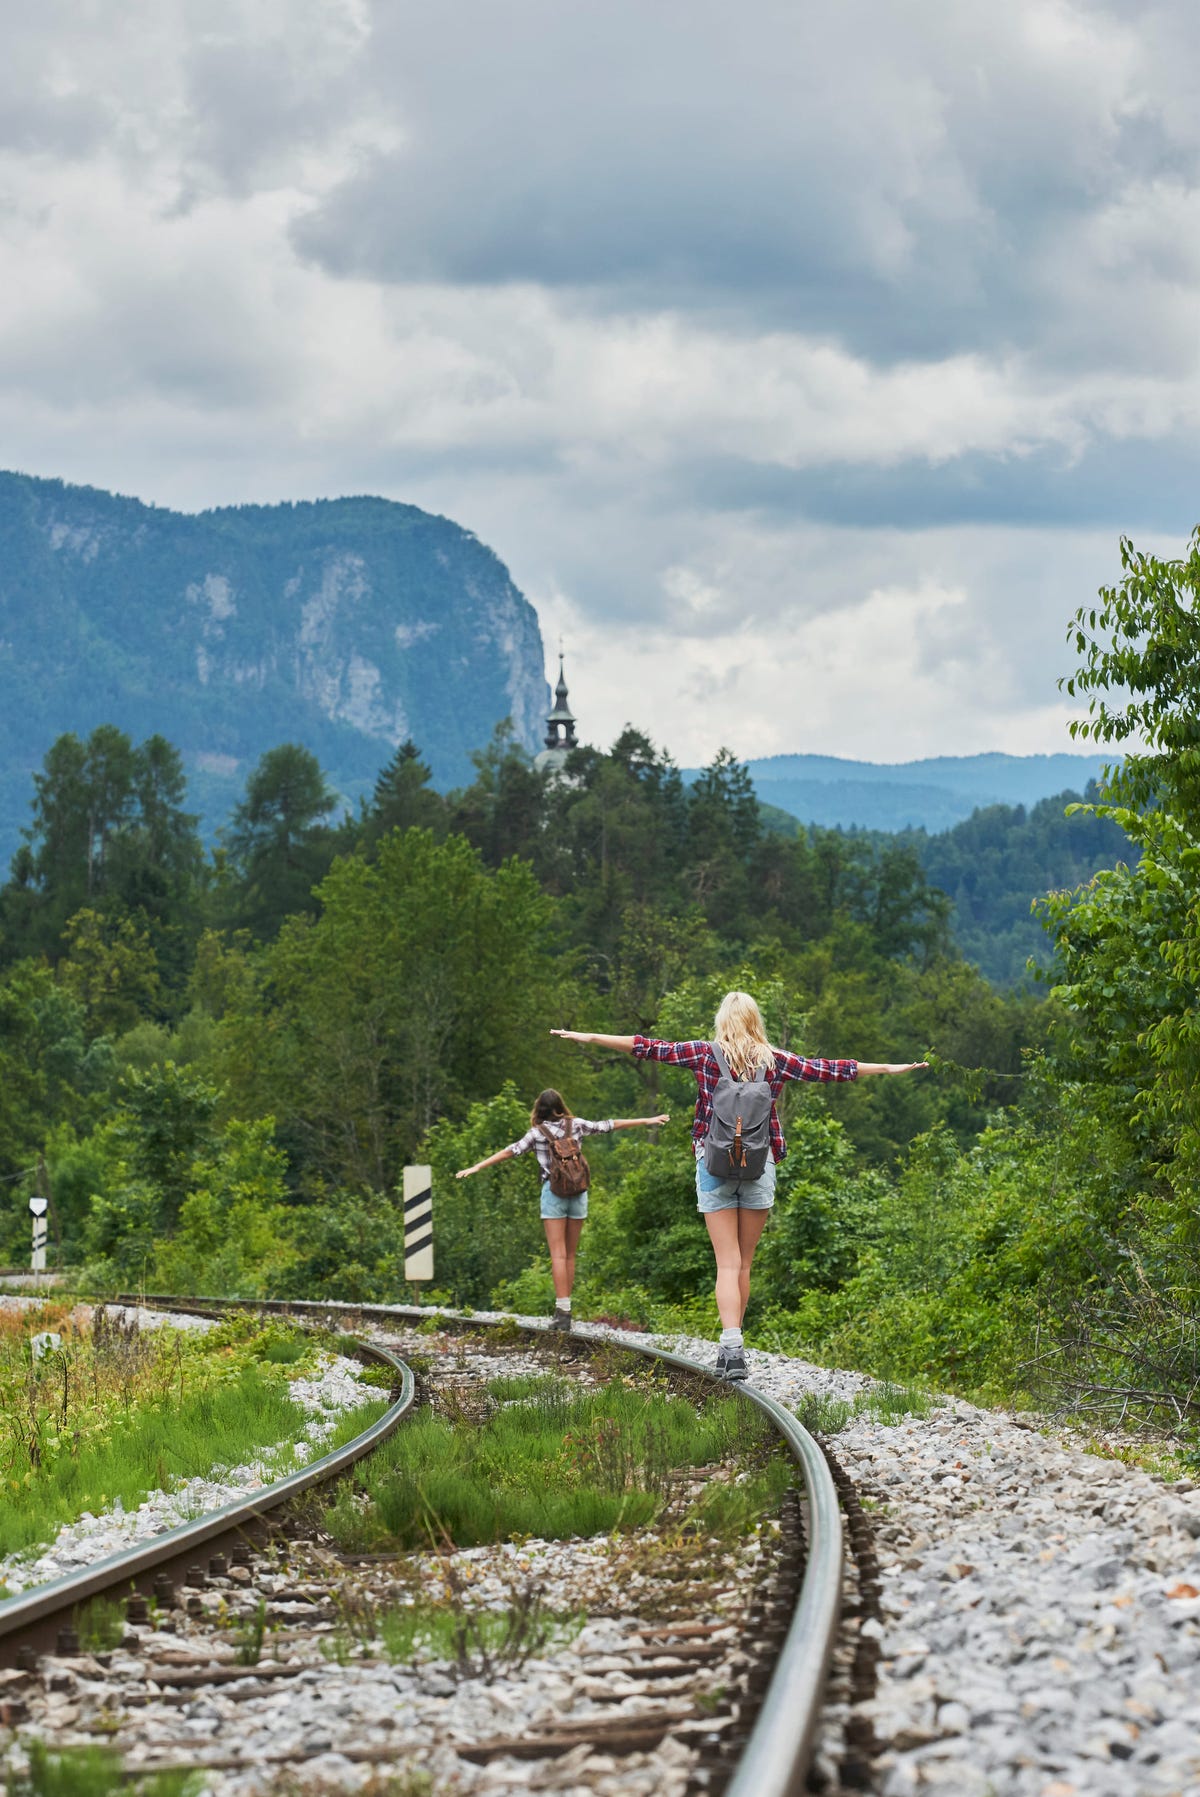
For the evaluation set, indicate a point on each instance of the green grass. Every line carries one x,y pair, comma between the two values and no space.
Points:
434,1632
101,1625
823,1415
354,1422
149,1450
285,1350
90,1772
556,1461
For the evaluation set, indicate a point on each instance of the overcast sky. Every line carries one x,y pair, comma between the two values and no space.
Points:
804,363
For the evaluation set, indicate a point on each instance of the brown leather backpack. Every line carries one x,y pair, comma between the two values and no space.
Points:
569,1172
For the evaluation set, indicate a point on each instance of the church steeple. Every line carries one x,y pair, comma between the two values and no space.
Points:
560,725
560,730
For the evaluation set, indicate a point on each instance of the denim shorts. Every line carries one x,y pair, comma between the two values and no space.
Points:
733,1194
562,1207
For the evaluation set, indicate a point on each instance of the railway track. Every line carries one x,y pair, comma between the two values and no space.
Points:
732,1701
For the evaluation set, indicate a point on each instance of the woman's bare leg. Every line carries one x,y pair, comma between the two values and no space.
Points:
751,1224
562,1239
722,1228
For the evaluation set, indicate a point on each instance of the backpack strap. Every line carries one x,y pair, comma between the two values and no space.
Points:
723,1064
560,1145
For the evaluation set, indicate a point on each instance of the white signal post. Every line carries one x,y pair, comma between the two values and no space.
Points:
37,1210
418,1226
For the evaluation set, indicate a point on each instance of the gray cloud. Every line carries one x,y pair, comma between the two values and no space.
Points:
909,180
780,351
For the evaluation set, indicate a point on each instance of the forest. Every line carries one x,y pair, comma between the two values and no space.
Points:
216,1064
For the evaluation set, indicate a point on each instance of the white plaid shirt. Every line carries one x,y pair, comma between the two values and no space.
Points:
533,1137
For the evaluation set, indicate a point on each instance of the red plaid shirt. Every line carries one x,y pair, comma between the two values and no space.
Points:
703,1063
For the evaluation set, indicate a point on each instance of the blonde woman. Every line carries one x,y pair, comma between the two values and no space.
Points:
734,1199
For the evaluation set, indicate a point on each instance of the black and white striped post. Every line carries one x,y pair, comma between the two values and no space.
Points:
418,1226
37,1260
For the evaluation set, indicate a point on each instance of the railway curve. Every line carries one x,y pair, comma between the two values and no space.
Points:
774,1756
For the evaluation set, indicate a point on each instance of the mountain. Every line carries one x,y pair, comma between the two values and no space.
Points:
344,624
993,865
933,794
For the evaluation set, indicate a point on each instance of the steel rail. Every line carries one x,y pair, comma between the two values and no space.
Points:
775,1759
29,1608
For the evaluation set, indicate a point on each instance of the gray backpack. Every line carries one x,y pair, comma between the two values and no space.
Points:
739,1135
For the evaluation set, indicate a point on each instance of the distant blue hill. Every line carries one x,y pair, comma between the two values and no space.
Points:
933,794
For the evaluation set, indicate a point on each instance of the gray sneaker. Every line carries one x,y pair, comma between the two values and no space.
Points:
731,1365
561,1321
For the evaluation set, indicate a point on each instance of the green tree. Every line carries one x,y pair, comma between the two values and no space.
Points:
280,844
234,1233
723,831
501,812
51,1072
486,1228
423,977
163,1127
404,798
112,970
1129,944
110,836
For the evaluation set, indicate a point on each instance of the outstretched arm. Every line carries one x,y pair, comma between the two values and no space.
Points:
890,1067
505,1154
639,1122
624,1043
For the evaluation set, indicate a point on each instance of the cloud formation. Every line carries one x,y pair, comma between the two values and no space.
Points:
804,364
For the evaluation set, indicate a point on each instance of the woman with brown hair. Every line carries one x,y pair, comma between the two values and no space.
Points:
737,1138
550,1123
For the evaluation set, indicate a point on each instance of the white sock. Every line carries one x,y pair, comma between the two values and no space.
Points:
731,1338
563,1303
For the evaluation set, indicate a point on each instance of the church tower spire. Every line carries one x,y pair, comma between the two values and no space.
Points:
560,728
560,725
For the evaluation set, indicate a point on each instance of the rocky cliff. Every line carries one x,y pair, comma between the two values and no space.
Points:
346,625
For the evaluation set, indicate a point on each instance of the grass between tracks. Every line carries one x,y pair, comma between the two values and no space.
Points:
91,1772
111,1413
542,1456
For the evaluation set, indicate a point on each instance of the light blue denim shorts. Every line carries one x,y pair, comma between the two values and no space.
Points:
562,1207
733,1194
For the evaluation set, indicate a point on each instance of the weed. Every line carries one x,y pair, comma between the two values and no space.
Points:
101,1625
556,1460
476,1642
354,1422
378,1376
514,1388
113,1413
892,1403
409,1783
248,1641
149,1449
90,1772
823,1415
285,1350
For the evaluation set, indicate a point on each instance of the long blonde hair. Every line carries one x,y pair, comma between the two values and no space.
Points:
739,1031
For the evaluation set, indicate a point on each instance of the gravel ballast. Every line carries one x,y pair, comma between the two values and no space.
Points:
1040,1630
1039,1626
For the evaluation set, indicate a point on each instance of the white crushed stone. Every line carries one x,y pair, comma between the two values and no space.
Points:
1041,1604
419,1712
324,1399
122,1313
1040,1631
